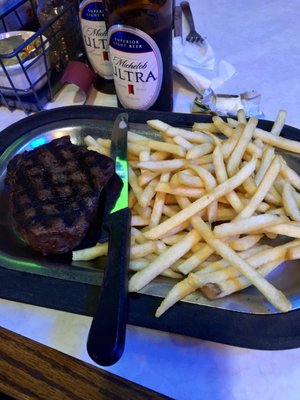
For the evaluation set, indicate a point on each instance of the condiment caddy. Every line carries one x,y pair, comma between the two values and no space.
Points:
34,56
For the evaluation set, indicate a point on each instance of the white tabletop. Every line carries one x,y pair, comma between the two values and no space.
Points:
261,40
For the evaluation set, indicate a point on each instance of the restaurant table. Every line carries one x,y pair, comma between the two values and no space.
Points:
261,40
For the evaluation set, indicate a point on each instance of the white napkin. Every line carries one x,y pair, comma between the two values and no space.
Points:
199,66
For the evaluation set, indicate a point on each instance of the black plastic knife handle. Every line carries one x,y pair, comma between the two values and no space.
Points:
106,338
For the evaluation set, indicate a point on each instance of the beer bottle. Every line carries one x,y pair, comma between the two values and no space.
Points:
94,35
140,46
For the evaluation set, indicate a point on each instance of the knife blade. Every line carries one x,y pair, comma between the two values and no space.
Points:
106,338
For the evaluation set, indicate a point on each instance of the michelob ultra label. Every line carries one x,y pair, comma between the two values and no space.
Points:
94,35
137,66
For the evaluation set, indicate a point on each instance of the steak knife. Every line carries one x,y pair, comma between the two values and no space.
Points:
106,337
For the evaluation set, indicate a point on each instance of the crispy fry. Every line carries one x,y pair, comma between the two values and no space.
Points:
148,193
267,157
245,242
225,288
205,126
162,166
289,174
289,202
141,250
277,141
275,296
240,148
279,123
262,190
196,259
246,225
203,202
189,180
180,190
162,262
194,137
146,177
178,292
159,202
183,142
199,150
90,253
293,253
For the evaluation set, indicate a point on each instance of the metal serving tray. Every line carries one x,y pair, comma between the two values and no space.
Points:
243,319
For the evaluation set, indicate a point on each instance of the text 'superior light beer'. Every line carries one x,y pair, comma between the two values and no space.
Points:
94,35
140,46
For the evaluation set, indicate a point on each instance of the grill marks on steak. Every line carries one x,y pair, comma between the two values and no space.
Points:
54,193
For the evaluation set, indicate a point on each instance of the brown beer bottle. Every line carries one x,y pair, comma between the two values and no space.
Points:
140,47
94,34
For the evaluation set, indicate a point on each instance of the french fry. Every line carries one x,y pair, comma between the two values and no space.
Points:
146,176
137,220
159,202
289,202
90,141
239,150
289,174
178,292
196,259
205,126
246,225
162,262
245,242
194,137
140,210
203,202
218,265
159,155
172,239
189,180
241,116
180,190
100,150
148,193
267,157
165,147
199,150
183,142
133,181
293,253
279,123
221,175
136,148
135,137
158,125
225,288
290,229
275,296
144,155
90,253
104,142
141,250
137,265
277,141
162,166
262,190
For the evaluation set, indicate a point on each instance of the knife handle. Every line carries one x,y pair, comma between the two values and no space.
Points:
106,338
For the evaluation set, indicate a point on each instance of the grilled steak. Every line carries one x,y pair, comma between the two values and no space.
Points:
54,193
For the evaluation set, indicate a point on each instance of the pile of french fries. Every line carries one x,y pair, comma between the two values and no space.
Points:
202,202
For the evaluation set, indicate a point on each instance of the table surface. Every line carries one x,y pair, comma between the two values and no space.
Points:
261,40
